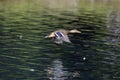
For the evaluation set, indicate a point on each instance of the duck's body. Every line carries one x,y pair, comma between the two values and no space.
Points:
61,35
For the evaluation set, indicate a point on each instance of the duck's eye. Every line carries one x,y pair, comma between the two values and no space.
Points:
59,34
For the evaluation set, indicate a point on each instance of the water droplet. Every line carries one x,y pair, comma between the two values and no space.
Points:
32,69
20,36
84,58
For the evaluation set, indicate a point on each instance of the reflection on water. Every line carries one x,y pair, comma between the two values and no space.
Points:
26,55
57,71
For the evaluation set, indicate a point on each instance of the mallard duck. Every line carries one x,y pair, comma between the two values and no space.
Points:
61,35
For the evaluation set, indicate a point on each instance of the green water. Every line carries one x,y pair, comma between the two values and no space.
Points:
26,55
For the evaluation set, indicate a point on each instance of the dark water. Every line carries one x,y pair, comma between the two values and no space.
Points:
26,55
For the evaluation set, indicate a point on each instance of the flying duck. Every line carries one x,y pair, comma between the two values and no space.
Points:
61,35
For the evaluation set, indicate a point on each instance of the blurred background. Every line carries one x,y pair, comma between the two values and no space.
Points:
26,55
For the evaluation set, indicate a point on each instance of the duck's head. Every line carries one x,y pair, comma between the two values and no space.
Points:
51,35
74,31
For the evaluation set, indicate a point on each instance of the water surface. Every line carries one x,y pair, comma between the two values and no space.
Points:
93,54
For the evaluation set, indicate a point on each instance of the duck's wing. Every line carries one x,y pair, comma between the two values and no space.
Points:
66,39
62,36
58,40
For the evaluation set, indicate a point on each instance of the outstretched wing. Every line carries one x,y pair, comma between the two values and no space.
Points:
60,37
58,40
59,34
66,39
